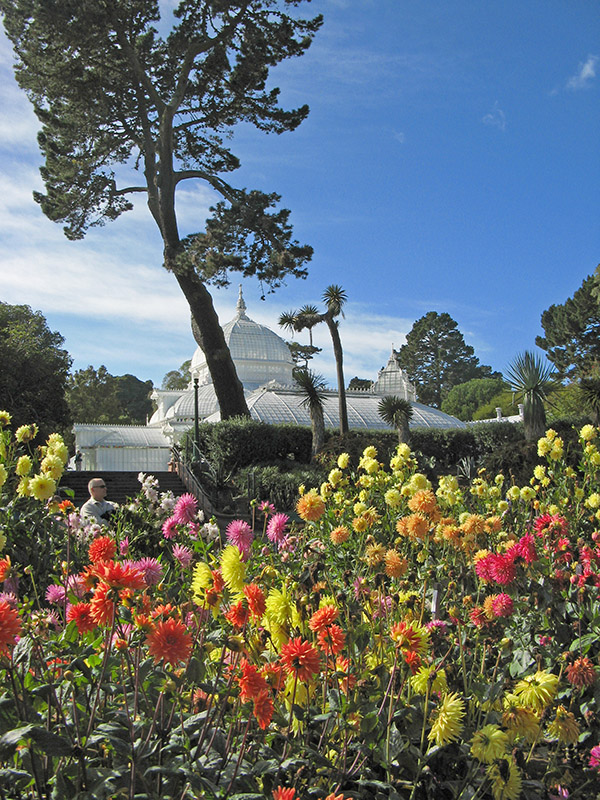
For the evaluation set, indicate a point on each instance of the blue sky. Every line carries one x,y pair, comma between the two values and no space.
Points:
451,162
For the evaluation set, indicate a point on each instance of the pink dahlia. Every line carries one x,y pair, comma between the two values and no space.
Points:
594,761
502,605
502,568
185,509
276,527
151,568
182,554
56,594
240,534
169,528
526,548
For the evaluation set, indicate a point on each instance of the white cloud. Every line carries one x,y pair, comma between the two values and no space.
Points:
496,117
585,75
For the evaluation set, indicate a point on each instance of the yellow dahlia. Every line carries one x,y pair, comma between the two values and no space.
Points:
506,779
343,460
26,433
520,722
5,418
279,606
425,675
24,465
489,743
564,727
538,690
42,487
233,568
52,466
447,725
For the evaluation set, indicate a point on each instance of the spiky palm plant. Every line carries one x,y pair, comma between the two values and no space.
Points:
532,380
397,413
312,387
590,386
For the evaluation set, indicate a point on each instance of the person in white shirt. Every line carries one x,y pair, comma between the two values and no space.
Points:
97,508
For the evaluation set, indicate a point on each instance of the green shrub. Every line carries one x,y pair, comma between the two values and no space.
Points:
277,485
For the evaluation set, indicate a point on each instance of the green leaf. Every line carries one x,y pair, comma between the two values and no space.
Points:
11,739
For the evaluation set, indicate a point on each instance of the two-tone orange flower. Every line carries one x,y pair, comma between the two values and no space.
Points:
310,506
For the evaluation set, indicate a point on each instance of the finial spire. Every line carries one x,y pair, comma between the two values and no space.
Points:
241,305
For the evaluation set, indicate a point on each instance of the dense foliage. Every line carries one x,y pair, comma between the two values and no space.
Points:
403,641
94,395
464,399
33,370
572,332
436,358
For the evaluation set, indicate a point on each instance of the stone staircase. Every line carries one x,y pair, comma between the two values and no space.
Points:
120,485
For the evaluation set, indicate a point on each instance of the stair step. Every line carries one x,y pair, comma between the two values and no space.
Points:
120,485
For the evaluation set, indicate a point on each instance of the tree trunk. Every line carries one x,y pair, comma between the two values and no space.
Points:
228,387
339,368
317,424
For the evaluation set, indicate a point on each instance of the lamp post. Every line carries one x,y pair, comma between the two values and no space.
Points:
196,424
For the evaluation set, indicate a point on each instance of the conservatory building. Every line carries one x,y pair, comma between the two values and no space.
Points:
264,366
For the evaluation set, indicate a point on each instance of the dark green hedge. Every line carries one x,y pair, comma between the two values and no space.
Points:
278,456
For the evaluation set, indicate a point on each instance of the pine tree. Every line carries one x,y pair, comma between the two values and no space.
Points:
117,98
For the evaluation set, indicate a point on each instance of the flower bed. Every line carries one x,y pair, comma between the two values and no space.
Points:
404,641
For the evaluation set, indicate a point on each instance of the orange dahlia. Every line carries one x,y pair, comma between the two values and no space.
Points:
325,616
250,681
331,640
581,673
169,641
238,615
410,636
256,600
81,613
417,526
263,709
339,535
119,576
310,507
102,605
423,500
300,658
395,565
10,627
103,548
284,794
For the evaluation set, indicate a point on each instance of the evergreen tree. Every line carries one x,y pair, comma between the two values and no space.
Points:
572,331
33,371
112,93
178,378
436,358
94,395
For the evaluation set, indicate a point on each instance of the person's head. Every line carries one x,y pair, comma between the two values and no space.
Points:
97,488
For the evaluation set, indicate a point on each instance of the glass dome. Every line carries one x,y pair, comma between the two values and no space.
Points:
259,354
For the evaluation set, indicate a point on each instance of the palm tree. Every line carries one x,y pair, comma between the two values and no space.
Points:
312,387
335,297
306,318
296,321
396,412
532,379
